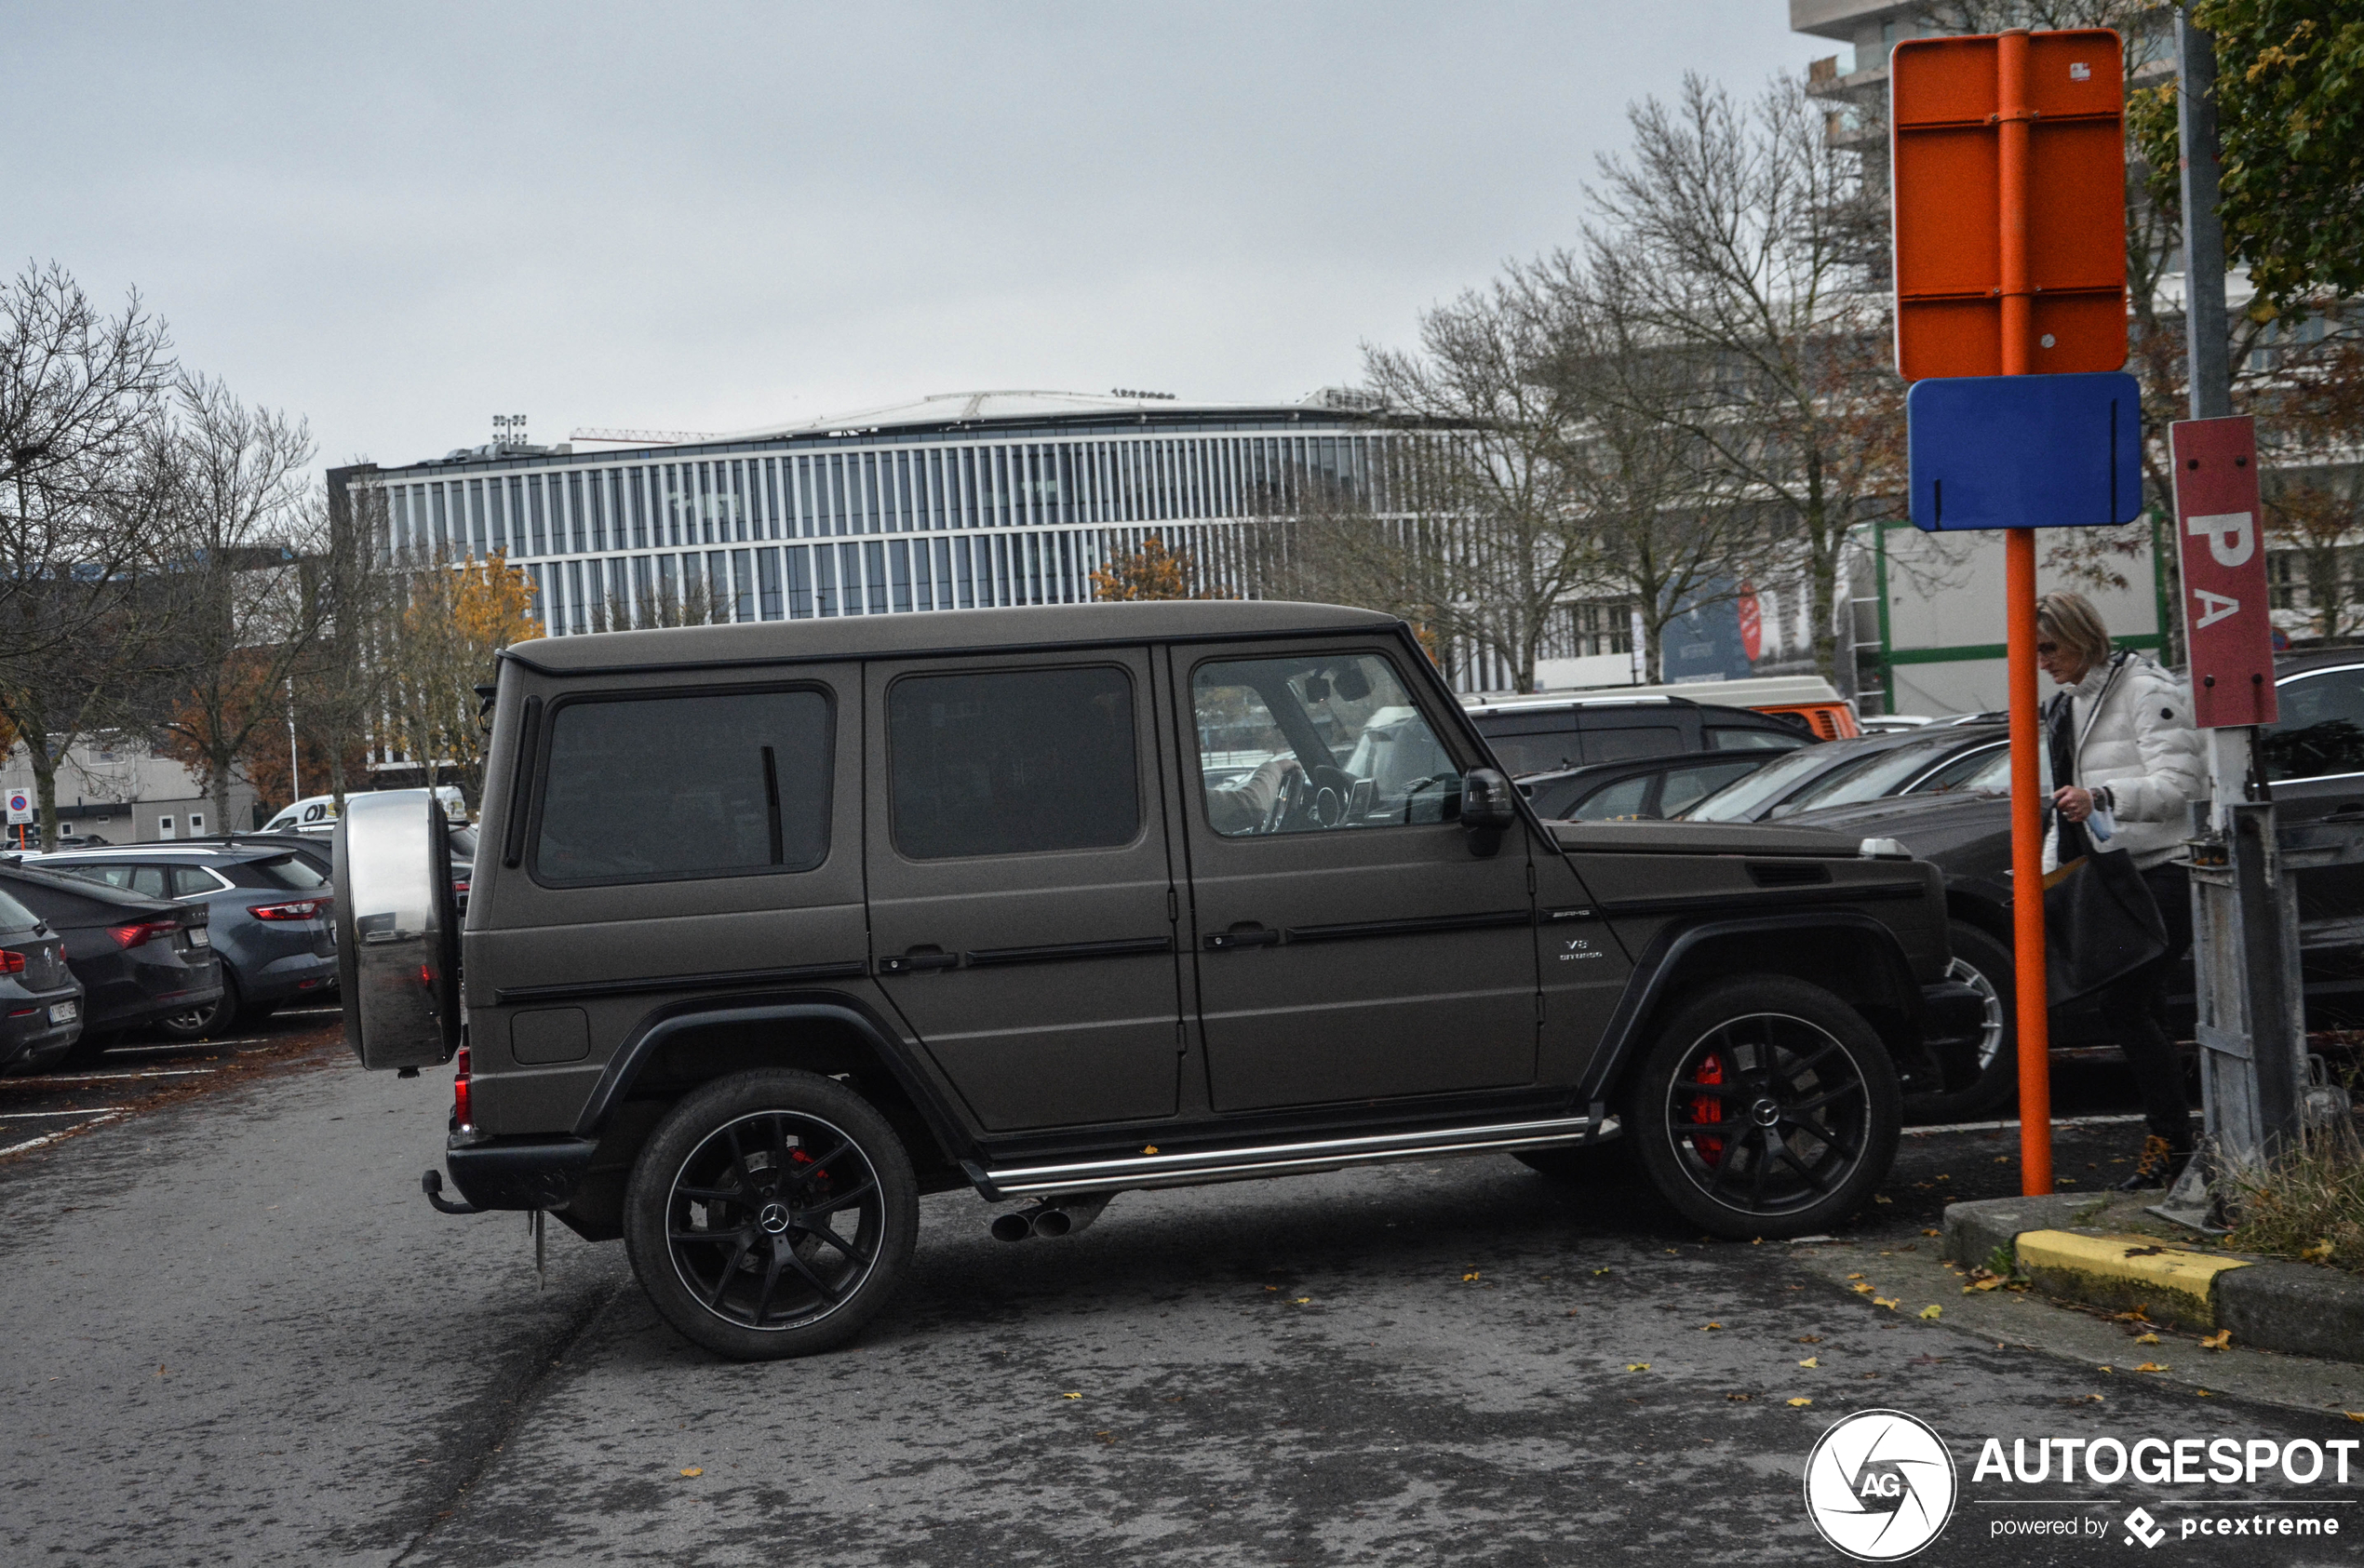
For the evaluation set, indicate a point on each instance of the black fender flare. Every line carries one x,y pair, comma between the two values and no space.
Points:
661,1025
1656,967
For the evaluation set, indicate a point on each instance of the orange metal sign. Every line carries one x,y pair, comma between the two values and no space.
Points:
1966,118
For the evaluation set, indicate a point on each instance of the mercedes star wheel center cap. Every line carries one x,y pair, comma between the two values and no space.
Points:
774,1218
1765,1113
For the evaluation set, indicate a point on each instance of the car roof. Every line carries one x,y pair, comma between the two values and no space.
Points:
1664,763
162,850
872,637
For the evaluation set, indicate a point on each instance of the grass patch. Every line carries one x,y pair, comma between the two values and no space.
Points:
2307,1206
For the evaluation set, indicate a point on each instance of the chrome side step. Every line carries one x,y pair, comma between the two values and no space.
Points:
1138,1171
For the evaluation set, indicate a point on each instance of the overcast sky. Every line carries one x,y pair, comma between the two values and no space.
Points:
399,219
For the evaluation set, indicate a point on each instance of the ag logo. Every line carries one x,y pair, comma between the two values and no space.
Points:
1879,1485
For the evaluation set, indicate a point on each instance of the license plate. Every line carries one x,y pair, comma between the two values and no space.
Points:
200,938
65,1013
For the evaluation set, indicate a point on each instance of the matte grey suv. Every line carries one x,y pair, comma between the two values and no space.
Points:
775,927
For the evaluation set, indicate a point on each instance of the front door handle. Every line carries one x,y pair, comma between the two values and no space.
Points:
918,960
1246,934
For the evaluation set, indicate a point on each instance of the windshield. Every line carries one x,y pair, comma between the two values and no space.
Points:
290,872
1986,771
1865,779
1742,801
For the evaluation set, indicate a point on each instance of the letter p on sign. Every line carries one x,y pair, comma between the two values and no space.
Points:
2226,627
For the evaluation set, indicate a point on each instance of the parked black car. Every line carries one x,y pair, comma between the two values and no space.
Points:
40,998
1053,903
271,921
1547,734
140,959
2314,758
1646,789
1929,760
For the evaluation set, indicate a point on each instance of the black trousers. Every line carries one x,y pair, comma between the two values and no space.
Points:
2135,1009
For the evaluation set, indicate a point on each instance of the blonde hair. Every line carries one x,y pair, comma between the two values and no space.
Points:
2070,619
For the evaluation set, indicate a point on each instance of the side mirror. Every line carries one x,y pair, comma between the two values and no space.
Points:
1488,808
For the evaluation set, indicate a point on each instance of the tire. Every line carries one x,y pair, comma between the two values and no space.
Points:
716,1235
1805,1084
1981,962
199,1023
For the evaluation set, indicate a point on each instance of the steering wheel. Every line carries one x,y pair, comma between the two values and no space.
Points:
1333,790
1285,801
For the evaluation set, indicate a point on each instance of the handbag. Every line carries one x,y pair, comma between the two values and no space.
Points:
2101,924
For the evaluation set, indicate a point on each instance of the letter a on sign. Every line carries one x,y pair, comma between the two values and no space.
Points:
2226,629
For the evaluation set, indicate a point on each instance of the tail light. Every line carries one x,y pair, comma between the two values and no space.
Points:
11,962
139,931
295,909
463,1114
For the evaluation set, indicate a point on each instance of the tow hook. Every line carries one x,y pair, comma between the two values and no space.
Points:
430,1183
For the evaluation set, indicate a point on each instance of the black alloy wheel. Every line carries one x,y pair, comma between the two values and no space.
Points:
1768,1107
217,1017
1984,964
771,1213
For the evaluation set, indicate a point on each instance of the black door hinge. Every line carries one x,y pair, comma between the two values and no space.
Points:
1172,907
1530,879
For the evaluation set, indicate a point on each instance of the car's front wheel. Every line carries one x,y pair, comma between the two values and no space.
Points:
771,1213
1766,1107
1985,965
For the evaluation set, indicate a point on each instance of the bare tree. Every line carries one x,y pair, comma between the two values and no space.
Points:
81,394
248,531
1739,235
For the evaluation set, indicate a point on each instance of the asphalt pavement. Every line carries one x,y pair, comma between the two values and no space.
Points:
239,1335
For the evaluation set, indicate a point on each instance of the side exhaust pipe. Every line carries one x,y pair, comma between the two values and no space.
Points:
1064,1217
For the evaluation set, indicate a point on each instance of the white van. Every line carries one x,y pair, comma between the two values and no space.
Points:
317,813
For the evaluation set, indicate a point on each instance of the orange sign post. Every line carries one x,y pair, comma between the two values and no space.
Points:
2008,152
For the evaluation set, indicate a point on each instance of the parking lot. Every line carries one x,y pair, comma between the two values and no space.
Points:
241,1334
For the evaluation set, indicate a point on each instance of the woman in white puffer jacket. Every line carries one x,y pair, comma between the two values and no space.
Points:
2120,743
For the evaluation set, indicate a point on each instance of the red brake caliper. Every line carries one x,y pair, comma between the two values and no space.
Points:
1708,1107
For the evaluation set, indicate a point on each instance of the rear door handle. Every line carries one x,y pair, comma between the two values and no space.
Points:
2347,810
919,959
1245,935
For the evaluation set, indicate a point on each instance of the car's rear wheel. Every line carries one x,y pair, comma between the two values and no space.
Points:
216,1018
1766,1108
771,1213
1985,965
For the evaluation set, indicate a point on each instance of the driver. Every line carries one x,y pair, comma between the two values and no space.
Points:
1243,807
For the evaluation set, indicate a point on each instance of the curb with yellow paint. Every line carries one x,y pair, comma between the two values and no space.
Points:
2171,1284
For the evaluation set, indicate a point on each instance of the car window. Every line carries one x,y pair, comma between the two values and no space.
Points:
1615,743
1866,777
1720,738
1617,802
2321,729
1685,787
659,788
1303,745
1740,800
464,843
15,916
187,881
1011,762
1540,751
1988,769
289,871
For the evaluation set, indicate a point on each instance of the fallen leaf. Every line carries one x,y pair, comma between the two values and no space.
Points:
2137,1316
1571,1311
2095,1398
2354,1415
2318,1253
1887,1301
1271,1287
1470,1276
1855,1276
1598,1272
1932,1233
1795,1403
2152,1366
1303,1300
1070,1395
1811,1361
1861,1290
1148,1149
1932,1312
1637,1366
2001,1160
2104,1368
2147,1339
1810,1339
694,1471
1876,1197
1992,1282
1704,1327
2204,1393
1757,1241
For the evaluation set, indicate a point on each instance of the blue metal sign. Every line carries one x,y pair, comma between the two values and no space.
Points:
2025,452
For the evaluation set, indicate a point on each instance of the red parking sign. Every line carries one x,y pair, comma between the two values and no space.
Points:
2217,524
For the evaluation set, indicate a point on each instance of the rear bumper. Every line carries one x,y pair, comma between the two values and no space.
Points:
516,1174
